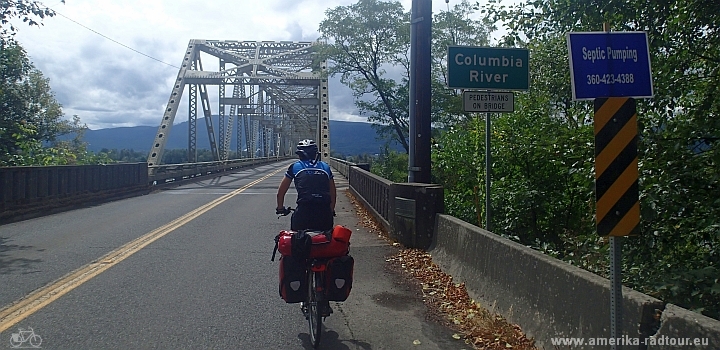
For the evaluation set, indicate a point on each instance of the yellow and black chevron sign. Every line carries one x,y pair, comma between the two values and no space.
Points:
616,167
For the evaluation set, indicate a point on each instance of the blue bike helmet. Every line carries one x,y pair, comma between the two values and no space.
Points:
307,149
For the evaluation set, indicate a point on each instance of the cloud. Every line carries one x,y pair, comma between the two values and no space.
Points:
95,52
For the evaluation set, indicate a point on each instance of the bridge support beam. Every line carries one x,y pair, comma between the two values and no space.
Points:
273,82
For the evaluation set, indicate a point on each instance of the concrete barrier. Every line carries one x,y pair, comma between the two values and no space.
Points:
684,329
548,298
32,191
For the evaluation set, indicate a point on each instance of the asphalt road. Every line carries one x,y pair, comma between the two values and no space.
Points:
189,268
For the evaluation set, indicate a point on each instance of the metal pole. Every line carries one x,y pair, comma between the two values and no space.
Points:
488,173
615,278
616,292
420,81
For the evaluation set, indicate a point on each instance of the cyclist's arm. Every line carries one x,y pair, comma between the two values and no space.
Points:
333,194
284,186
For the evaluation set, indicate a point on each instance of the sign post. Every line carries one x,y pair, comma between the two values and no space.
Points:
612,68
488,68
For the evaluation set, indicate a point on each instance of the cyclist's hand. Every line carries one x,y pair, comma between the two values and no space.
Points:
282,211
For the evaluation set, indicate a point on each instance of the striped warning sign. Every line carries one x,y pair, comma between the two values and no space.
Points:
616,167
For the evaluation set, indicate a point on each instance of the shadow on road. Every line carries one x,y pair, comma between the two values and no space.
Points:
330,340
10,264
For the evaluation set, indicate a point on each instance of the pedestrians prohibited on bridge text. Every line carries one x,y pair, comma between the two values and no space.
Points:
609,64
480,101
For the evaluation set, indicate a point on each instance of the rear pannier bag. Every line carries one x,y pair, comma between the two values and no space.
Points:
293,280
320,245
339,278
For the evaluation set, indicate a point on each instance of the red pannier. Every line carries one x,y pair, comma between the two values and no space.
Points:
339,278
293,280
324,244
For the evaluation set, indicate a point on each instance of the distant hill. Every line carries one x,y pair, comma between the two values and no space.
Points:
346,138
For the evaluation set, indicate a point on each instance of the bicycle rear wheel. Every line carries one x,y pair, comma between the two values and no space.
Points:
315,318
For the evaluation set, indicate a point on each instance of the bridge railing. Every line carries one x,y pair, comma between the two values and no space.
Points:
571,303
39,189
406,210
173,174
31,191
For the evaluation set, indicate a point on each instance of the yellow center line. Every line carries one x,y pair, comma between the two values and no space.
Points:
20,309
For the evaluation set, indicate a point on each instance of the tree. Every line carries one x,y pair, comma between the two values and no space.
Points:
454,27
677,255
368,45
30,12
363,42
30,113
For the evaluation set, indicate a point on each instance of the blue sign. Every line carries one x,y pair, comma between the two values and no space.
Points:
609,64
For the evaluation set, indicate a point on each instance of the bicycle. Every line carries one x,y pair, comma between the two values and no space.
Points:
17,339
316,307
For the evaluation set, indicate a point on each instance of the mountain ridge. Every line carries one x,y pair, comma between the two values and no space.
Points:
346,138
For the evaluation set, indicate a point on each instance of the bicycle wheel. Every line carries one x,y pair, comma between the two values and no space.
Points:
35,341
315,318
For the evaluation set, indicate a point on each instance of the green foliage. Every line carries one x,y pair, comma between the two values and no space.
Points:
31,117
452,28
30,12
368,45
391,165
179,156
458,161
363,41
676,257
125,155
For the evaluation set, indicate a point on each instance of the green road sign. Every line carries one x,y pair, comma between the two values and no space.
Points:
488,68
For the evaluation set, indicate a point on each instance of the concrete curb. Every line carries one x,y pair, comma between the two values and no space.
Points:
545,296
680,328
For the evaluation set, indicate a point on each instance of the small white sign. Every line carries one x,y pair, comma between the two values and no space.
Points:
481,101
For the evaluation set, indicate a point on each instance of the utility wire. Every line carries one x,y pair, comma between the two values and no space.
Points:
111,39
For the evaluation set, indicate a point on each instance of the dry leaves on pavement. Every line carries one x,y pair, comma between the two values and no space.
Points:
479,327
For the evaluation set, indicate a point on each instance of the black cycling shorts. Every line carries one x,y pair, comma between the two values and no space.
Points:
312,217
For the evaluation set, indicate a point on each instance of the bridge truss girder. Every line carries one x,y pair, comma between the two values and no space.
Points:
278,97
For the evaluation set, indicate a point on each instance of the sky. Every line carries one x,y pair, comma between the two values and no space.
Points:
112,62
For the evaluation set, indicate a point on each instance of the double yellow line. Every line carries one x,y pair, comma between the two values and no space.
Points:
19,310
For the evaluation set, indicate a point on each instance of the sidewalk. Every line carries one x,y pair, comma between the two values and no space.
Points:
383,311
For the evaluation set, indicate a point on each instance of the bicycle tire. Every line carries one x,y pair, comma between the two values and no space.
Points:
35,341
315,318
14,343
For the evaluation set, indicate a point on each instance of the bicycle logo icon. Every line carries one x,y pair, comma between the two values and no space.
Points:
18,340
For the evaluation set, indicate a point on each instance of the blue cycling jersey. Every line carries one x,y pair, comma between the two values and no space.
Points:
312,181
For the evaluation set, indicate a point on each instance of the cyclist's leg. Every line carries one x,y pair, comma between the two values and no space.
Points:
312,216
301,219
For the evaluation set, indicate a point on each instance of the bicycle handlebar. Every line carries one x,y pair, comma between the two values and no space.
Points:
284,212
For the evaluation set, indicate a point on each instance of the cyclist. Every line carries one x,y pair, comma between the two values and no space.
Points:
316,193
315,190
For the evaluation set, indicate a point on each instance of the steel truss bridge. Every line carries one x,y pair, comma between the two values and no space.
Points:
271,94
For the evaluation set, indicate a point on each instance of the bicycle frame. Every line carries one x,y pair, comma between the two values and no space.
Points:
315,298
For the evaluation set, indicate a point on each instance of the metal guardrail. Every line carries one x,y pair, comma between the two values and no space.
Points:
406,210
374,190
166,174
31,191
